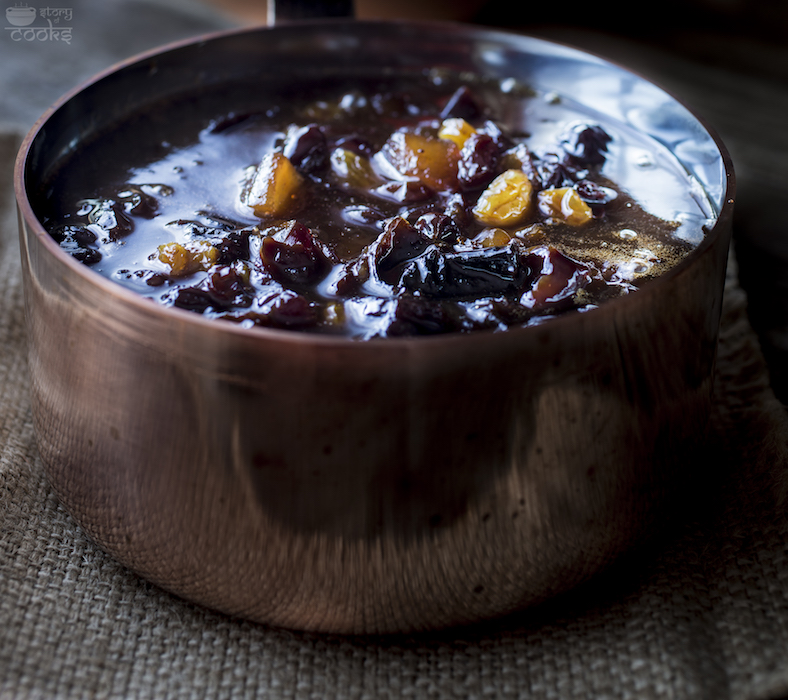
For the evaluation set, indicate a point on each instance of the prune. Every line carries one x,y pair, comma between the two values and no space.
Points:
439,227
398,243
137,202
559,277
296,260
307,149
110,216
77,241
469,274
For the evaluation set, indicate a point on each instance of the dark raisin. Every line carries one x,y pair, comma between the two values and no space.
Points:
297,260
193,299
357,145
139,203
294,312
497,134
231,120
87,256
362,215
553,172
414,316
479,159
595,195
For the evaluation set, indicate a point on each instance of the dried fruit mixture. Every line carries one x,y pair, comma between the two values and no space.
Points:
373,210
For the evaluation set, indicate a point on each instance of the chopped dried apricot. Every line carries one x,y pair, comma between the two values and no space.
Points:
432,160
274,190
506,201
187,259
565,204
456,130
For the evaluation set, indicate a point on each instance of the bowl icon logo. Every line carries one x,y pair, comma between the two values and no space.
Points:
20,15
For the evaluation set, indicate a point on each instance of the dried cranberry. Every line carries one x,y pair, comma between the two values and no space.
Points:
586,144
595,195
478,161
307,149
297,260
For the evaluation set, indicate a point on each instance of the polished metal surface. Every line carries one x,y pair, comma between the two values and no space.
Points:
332,485
279,11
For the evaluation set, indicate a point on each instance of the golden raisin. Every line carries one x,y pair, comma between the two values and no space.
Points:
187,259
565,204
456,130
506,201
275,187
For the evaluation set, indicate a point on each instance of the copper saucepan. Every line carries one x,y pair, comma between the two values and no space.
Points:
403,484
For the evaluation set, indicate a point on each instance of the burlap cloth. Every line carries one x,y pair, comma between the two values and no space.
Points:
701,613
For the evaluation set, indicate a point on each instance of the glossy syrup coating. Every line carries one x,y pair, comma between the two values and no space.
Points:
401,207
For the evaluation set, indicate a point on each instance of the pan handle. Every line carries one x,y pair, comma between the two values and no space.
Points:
280,11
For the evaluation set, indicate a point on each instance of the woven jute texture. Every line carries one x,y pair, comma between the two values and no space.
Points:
701,613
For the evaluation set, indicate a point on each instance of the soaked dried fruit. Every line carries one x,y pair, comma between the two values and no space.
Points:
275,187
507,200
431,160
456,130
353,169
186,259
565,204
